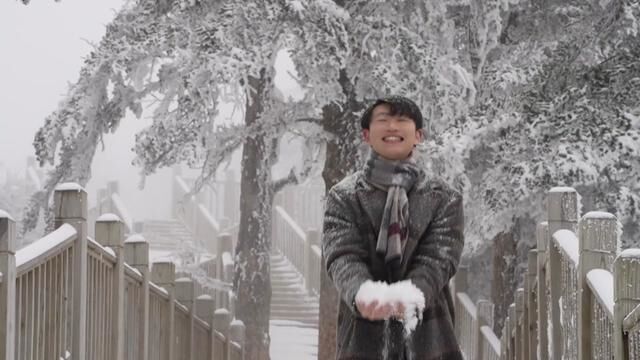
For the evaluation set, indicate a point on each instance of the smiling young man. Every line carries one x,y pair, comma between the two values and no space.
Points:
390,222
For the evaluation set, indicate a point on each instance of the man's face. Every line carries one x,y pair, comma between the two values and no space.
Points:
391,136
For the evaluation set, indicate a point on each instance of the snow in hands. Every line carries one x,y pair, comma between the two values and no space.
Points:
401,300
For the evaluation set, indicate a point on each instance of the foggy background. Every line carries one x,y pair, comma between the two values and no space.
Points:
42,50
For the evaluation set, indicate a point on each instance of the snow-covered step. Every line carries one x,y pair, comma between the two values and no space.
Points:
302,306
305,346
299,318
294,313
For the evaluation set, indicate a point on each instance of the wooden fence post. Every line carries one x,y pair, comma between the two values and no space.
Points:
520,334
136,250
163,274
313,238
185,294
597,249
562,213
102,205
460,281
231,196
485,318
110,232
205,309
221,323
542,235
513,322
113,187
70,204
7,286
532,305
237,332
225,244
626,278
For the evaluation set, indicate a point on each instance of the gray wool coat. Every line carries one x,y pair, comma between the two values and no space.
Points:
352,219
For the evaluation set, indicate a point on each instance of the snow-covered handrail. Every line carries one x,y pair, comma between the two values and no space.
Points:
304,203
600,282
567,243
300,248
195,216
474,322
577,293
39,251
101,303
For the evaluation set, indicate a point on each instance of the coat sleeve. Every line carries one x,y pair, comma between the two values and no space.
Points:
345,251
439,250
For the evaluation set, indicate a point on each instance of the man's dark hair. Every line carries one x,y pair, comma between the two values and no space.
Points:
398,105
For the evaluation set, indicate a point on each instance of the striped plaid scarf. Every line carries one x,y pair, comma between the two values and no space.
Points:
396,178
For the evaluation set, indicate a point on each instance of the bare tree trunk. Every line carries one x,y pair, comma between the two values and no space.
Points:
340,161
252,278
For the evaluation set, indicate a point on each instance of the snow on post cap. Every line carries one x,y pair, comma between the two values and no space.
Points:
598,215
109,217
135,238
630,254
562,189
69,186
4,214
222,312
183,279
236,322
204,297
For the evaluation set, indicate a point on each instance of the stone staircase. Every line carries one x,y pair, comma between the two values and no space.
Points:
294,313
165,237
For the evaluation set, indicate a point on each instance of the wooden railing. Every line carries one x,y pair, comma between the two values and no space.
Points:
474,323
301,248
69,296
304,203
196,216
295,208
581,296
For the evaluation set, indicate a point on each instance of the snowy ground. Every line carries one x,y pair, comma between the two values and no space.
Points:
291,340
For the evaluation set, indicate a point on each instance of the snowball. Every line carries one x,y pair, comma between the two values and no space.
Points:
404,292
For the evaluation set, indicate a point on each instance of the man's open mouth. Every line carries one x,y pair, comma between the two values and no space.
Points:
393,139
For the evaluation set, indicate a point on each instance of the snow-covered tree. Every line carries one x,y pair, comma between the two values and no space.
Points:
519,96
189,56
354,52
557,104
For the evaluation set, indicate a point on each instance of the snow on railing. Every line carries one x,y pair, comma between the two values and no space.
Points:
581,299
304,202
473,322
193,213
300,248
108,303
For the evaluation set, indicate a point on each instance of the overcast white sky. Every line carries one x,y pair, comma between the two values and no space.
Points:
42,46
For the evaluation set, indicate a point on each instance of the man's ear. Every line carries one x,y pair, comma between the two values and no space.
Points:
365,135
